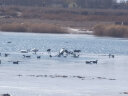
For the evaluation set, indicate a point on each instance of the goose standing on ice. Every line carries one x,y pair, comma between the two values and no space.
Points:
61,52
24,51
35,50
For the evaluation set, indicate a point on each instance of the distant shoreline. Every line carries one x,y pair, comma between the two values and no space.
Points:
117,31
42,28
63,21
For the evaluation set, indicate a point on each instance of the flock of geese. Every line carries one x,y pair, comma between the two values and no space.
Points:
62,53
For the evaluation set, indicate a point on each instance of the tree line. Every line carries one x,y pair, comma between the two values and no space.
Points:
64,3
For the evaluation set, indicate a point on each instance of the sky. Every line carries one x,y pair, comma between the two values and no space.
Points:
121,0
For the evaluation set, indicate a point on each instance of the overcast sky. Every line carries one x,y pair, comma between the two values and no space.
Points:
121,0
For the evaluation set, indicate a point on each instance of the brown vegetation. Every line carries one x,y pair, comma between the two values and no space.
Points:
28,27
111,30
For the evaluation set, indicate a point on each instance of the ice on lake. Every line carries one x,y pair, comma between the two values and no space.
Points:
46,76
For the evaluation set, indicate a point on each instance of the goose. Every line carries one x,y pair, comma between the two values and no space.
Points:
35,50
9,42
61,52
24,51
75,55
50,56
92,62
38,57
16,62
77,51
28,56
6,55
95,62
48,50
111,55
88,62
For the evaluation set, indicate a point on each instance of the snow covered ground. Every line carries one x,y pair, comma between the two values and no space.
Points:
63,76
78,31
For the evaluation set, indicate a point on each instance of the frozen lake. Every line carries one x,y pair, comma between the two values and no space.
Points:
63,76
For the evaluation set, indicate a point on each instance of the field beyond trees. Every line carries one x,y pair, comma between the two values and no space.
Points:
69,14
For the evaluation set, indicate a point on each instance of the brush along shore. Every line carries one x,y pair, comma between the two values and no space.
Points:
111,30
41,28
35,28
